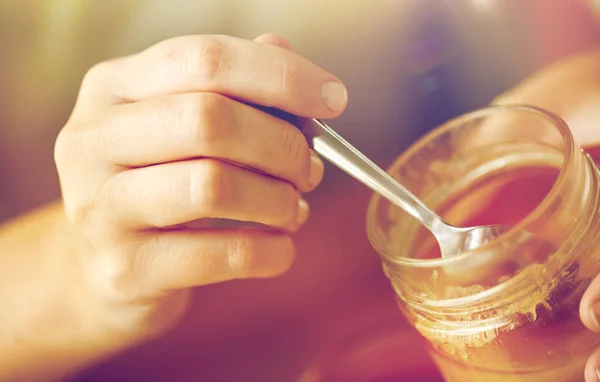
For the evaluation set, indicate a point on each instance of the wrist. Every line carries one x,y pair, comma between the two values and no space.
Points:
51,331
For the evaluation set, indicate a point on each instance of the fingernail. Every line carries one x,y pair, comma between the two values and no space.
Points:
303,212
597,373
334,95
317,168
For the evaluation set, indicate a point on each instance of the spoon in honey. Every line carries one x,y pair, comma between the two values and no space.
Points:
452,240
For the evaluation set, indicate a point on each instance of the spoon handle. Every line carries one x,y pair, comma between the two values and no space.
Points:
331,146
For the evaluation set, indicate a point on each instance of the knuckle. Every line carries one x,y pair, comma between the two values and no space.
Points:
184,113
94,74
277,40
89,221
288,202
211,120
63,148
239,255
208,186
86,210
200,58
80,214
78,144
295,148
282,73
208,59
118,272
96,77
201,119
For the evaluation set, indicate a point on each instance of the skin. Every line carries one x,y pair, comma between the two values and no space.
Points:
149,151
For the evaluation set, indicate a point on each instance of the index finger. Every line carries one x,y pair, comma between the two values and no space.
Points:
249,71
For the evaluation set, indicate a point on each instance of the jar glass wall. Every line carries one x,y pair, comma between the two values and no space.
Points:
509,310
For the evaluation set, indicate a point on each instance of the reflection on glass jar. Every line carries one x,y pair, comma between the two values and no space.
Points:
508,311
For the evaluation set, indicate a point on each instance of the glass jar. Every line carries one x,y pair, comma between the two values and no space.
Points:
509,310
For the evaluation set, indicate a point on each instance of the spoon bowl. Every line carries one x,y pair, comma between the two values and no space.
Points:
466,239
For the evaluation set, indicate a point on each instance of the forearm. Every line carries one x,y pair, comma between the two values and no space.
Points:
47,326
569,88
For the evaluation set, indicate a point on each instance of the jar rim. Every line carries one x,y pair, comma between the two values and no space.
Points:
379,240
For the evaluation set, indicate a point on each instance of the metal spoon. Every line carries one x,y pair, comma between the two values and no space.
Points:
452,240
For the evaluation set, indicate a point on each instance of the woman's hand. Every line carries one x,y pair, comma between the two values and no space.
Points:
166,137
571,89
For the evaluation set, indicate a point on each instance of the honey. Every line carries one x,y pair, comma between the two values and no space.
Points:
541,328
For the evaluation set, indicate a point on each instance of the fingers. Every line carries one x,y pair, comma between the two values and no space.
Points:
184,126
181,259
592,368
254,72
179,192
589,309
151,263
